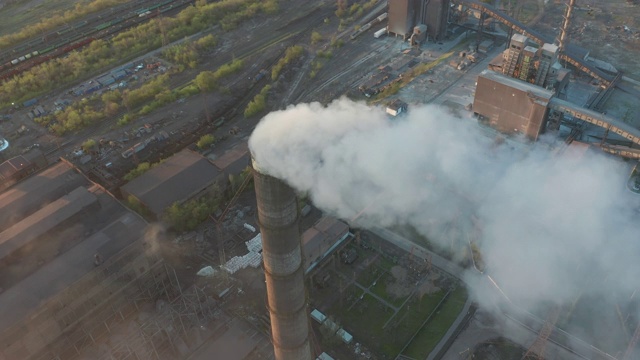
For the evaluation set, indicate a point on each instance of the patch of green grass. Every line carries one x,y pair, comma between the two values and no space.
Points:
408,321
366,318
440,322
385,263
380,289
368,276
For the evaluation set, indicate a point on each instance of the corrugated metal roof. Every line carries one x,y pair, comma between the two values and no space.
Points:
517,84
234,154
28,196
12,166
176,179
44,220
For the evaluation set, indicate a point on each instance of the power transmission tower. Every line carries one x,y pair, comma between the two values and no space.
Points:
220,218
163,30
536,350
632,344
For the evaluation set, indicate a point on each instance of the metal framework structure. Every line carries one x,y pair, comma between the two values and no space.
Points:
176,312
632,344
562,40
568,55
536,350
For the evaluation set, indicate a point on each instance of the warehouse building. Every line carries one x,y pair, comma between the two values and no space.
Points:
69,250
510,105
183,176
321,240
20,167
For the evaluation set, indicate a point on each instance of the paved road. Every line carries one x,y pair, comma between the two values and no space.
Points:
454,327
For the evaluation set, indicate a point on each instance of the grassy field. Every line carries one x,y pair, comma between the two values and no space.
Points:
16,16
380,289
366,321
388,320
437,326
366,318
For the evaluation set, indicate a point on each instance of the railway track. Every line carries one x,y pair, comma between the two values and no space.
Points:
78,39
260,44
81,25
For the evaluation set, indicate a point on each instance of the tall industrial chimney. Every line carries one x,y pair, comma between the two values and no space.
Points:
278,220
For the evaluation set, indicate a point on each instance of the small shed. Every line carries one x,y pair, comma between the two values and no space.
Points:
397,107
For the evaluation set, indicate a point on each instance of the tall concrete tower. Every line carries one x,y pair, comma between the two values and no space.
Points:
278,220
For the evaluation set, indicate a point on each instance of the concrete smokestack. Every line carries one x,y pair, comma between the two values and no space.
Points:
278,220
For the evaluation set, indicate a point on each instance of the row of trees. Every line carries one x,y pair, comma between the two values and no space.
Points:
54,20
292,53
410,75
188,215
72,118
89,111
205,141
355,10
125,45
142,168
210,80
187,54
259,102
141,101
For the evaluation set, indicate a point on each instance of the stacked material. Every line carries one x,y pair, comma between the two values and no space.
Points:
253,258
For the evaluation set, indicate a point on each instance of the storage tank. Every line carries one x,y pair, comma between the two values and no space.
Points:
401,17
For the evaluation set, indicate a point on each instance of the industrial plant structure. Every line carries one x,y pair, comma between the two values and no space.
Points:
511,106
278,217
77,267
408,17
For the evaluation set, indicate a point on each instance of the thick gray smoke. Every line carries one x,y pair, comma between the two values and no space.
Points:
554,227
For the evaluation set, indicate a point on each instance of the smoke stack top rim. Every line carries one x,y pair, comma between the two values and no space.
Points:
256,166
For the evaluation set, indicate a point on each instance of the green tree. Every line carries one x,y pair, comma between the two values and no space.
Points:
341,8
139,170
206,81
205,141
258,103
90,145
316,37
292,53
206,42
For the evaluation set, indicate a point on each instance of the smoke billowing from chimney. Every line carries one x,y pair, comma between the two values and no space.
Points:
553,227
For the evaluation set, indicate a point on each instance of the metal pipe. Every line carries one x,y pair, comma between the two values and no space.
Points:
565,26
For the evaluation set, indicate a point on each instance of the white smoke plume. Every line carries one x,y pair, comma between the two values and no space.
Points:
554,228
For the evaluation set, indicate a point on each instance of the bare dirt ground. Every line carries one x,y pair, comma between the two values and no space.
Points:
399,288
609,29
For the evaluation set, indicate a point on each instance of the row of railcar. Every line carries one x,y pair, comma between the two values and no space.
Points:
45,55
26,61
151,8
79,27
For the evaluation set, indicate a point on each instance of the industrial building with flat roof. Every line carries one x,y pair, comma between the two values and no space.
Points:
179,178
319,241
20,167
56,297
511,105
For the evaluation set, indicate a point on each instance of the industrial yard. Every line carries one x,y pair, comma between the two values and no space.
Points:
136,221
